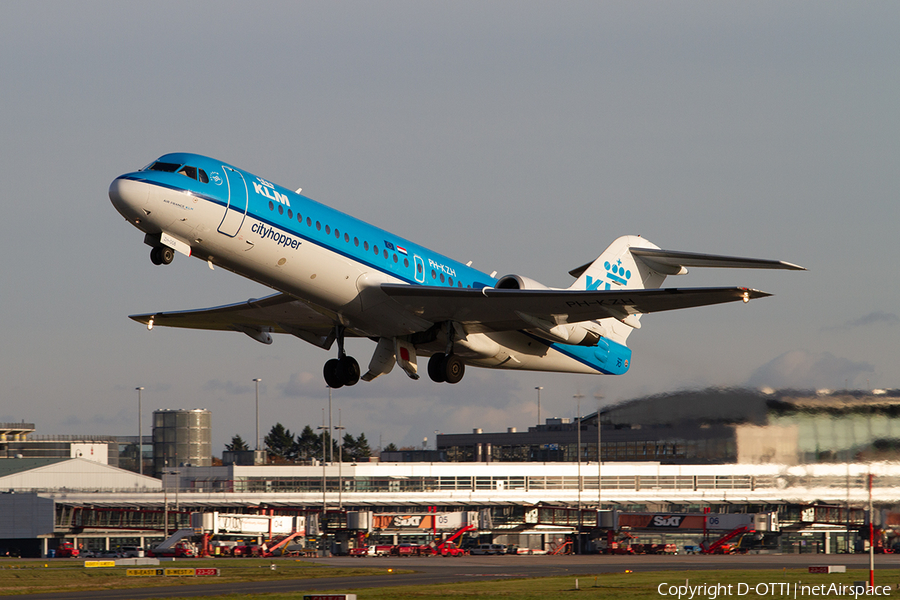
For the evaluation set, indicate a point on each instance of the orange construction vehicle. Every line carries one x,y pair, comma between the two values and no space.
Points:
449,548
721,545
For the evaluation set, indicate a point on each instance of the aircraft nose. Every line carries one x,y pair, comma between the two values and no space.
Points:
129,197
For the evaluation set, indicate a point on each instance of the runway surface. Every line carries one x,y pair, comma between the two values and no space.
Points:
435,570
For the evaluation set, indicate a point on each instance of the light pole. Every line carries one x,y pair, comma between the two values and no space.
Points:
599,450
324,502
330,443
539,388
340,429
578,397
257,380
140,441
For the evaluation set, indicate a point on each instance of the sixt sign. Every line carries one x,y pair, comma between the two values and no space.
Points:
667,521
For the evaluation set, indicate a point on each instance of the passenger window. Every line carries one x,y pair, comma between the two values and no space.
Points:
188,171
280,209
204,178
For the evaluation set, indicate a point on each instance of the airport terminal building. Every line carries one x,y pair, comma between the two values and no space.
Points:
800,474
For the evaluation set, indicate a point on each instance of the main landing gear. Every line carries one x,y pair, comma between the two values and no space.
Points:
162,255
446,368
343,370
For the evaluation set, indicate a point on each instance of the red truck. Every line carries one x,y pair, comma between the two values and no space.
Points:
67,550
180,550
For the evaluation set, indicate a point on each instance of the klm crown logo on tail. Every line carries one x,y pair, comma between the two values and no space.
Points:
615,273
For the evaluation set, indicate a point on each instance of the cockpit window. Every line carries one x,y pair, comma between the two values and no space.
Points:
204,178
188,171
163,166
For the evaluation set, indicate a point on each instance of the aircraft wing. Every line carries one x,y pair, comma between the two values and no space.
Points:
493,309
257,318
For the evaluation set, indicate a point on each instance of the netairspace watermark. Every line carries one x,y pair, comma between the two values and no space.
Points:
711,591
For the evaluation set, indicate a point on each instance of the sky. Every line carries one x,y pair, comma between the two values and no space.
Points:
524,136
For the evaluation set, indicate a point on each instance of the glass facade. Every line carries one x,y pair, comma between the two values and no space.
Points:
181,438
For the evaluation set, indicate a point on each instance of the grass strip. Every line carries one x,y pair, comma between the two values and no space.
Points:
35,577
768,584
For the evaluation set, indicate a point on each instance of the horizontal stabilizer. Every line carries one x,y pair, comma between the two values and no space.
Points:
671,262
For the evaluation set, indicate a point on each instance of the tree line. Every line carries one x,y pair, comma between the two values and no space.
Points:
284,446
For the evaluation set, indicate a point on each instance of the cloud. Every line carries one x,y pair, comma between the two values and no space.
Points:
228,387
301,385
802,369
104,422
877,317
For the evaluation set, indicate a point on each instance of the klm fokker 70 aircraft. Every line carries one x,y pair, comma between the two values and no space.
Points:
336,276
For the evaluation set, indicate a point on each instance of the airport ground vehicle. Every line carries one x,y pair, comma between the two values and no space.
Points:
67,550
491,549
181,549
721,545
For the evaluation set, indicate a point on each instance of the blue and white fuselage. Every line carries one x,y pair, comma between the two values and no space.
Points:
339,276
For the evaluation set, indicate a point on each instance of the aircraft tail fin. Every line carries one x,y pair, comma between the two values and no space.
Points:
633,263
618,268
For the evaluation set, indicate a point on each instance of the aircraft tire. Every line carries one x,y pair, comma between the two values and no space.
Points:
155,258
436,367
348,370
454,368
332,374
166,255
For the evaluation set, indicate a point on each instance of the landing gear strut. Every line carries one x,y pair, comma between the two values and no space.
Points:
343,370
446,368
162,255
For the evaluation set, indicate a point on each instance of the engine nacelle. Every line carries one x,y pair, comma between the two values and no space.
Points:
576,334
518,282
